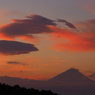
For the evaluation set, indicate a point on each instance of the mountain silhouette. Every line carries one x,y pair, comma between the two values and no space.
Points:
71,75
70,82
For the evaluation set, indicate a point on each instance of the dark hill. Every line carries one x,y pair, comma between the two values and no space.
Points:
17,90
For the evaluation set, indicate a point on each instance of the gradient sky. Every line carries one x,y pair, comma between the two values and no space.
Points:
42,38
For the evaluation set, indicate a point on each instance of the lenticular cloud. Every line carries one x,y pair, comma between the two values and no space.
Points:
15,48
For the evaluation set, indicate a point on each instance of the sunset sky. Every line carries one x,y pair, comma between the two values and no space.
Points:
42,38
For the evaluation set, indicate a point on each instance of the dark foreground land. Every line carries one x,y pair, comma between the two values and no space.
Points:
70,82
17,90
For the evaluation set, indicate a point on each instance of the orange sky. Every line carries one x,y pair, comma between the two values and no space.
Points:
38,42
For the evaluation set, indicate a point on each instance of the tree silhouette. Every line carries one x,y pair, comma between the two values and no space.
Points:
17,90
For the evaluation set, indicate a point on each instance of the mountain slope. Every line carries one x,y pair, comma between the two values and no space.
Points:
71,75
72,82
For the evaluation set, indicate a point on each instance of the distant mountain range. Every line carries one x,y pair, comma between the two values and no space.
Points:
70,82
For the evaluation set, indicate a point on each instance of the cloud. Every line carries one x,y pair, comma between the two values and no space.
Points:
70,25
15,48
87,26
6,14
14,62
82,41
34,24
93,75
89,6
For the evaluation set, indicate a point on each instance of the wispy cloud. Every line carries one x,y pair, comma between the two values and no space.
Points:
16,63
89,6
83,41
67,23
92,75
6,14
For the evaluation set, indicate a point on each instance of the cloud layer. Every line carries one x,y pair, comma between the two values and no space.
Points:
15,48
79,37
81,41
35,24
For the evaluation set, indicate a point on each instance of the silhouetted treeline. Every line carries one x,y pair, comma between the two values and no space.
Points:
17,90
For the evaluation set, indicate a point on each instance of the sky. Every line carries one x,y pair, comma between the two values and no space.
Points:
40,39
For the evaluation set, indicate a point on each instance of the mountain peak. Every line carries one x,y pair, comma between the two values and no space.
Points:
72,70
71,75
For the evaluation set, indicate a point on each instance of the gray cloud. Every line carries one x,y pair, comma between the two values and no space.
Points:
34,24
67,23
15,48
14,62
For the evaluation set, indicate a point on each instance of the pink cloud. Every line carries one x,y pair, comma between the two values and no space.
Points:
89,6
82,41
79,37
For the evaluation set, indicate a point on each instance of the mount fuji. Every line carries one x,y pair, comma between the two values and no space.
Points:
70,82
71,75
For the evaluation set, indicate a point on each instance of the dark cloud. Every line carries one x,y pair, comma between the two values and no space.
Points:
92,75
34,24
14,62
15,48
11,62
41,20
67,23
82,41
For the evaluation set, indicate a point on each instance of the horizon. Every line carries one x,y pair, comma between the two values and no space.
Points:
42,38
68,70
